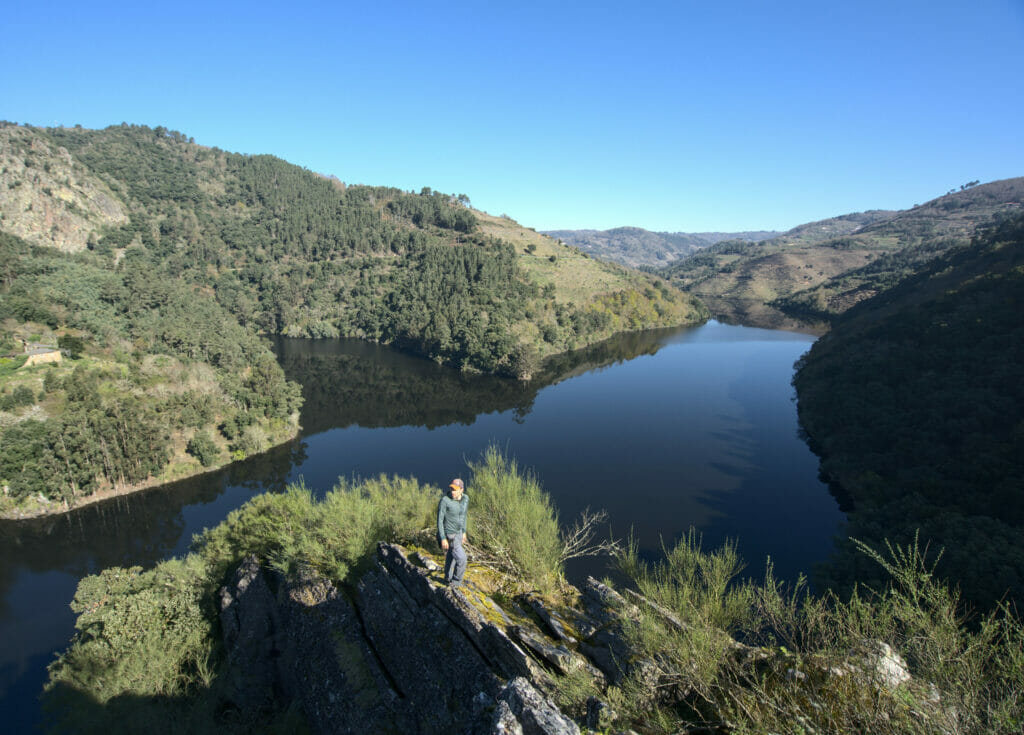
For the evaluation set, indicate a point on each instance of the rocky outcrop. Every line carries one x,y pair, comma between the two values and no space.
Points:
399,653
48,199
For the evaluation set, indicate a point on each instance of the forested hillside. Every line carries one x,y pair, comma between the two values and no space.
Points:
156,381
914,402
820,269
154,263
289,252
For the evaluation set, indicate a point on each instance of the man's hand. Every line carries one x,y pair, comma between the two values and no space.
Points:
444,544
464,540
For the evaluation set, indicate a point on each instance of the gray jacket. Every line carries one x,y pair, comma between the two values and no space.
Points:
451,516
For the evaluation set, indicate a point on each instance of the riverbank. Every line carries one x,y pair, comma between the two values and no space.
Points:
181,467
710,403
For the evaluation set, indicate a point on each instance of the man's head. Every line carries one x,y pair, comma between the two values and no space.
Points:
457,487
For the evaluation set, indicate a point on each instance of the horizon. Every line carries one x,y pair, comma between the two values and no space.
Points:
659,116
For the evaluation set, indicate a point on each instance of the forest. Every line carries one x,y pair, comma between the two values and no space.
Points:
914,403
154,362
290,252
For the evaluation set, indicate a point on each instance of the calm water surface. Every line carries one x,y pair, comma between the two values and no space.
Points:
665,430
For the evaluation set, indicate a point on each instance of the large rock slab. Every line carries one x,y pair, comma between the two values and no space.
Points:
399,652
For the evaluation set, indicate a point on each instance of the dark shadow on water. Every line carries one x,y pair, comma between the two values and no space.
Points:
351,382
206,710
135,529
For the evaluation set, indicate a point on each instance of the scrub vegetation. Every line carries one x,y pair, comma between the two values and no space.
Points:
147,650
761,657
147,644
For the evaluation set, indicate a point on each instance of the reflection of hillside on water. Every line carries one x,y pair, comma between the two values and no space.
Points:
355,383
347,382
137,528
751,313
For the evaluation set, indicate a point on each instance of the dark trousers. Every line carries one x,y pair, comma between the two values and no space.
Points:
455,560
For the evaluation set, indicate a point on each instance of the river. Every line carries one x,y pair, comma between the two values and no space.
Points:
664,430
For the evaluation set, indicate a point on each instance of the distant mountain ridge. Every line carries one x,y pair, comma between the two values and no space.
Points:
635,246
820,269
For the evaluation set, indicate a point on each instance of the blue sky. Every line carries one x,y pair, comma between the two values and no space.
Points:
674,116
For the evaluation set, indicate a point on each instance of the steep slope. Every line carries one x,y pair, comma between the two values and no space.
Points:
914,402
762,271
920,234
290,252
635,247
47,197
818,270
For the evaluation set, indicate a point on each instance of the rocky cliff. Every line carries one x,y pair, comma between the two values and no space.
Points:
404,653
48,198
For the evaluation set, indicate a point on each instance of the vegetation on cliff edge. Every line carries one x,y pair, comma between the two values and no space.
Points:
147,650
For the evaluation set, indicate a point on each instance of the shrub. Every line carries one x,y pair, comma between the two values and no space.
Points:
148,648
253,440
293,529
203,448
511,519
74,346
146,632
814,668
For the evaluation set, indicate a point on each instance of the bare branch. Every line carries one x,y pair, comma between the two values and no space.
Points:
577,541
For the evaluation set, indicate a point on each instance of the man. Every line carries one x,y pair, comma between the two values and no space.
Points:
451,529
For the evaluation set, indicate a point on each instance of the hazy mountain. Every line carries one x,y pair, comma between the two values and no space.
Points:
635,247
822,268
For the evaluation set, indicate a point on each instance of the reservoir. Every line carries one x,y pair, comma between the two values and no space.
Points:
664,430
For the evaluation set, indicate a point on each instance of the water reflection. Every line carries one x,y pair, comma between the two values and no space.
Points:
345,383
356,383
140,528
753,313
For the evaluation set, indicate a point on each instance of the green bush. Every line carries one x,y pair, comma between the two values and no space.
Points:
145,631
513,522
147,648
73,345
202,447
334,535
